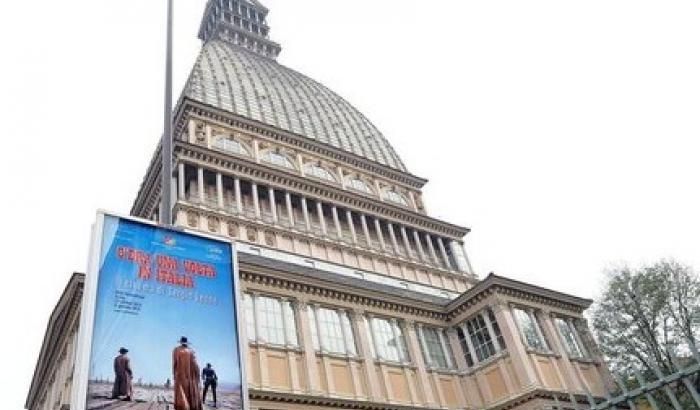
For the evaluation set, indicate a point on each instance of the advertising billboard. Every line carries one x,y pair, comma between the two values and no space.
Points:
159,328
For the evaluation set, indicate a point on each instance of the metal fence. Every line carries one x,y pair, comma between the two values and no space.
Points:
677,390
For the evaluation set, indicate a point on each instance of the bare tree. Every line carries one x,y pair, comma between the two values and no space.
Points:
649,318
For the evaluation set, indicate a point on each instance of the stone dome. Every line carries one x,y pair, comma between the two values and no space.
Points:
234,79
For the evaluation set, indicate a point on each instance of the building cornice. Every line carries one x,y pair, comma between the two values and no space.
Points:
300,279
539,394
188,106
284,180
207,212
494,284
328,402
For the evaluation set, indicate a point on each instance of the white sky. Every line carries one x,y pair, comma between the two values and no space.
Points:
563,133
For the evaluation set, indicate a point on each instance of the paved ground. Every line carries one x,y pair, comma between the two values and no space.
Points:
156,398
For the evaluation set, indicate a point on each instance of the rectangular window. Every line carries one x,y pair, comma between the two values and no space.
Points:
334,328
568,335
465,347
435,347
530,329
388,339
480,337
276,322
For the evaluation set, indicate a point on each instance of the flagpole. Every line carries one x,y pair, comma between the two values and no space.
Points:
166,141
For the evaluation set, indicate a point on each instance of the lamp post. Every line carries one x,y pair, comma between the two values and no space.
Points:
166,150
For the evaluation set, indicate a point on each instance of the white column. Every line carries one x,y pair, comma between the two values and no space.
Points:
300,161
290,210
207,129
351,224
256,199
256,317
392,236
305,211
256,151
200,184
219,190
492,333
336,220
237,194
342,177
321,341
321,219
414,204
424,345
470,269
470,345
416,239
406,242
181,181
431,248
365,229
536,324
581,346
445,347
380,235
309,351
273,204
443,252
458,252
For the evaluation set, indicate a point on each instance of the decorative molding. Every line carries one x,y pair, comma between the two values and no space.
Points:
201,210
188,107
326,402
361,297
284,180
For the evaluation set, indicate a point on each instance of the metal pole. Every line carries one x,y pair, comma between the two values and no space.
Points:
166,150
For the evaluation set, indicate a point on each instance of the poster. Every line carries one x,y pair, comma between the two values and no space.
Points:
162,323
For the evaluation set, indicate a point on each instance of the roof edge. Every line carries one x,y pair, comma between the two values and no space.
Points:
75,283
492,281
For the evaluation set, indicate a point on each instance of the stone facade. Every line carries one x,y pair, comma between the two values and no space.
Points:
330,224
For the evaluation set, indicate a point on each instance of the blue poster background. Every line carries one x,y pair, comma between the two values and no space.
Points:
148,317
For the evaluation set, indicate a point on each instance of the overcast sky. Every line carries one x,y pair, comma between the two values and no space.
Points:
563,133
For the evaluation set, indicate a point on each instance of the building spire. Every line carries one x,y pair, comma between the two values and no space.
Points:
239,22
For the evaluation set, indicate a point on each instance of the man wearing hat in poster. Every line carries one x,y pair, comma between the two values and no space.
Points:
122,376
186,376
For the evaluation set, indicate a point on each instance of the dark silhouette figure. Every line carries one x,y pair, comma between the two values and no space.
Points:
186,375
122,376
210,380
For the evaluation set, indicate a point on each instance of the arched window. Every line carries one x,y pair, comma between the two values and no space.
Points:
320,172
275,158
228,144
395,197
359,185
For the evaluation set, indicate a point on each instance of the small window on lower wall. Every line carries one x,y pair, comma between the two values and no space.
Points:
435,346
530,329
480,337
570,337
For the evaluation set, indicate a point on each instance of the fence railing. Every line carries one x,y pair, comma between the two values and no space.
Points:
677,390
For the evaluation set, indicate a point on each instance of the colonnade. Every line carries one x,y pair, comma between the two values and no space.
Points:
284,208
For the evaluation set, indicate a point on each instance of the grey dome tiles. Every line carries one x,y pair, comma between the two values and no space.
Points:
231,78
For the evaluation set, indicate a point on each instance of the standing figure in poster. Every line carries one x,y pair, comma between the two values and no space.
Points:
186,376
210,380
122,376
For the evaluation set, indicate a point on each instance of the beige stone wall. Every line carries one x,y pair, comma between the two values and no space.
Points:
56,390
318,248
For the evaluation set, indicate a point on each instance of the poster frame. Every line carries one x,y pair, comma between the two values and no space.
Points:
89,304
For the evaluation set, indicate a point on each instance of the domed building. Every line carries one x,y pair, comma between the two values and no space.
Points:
355,297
